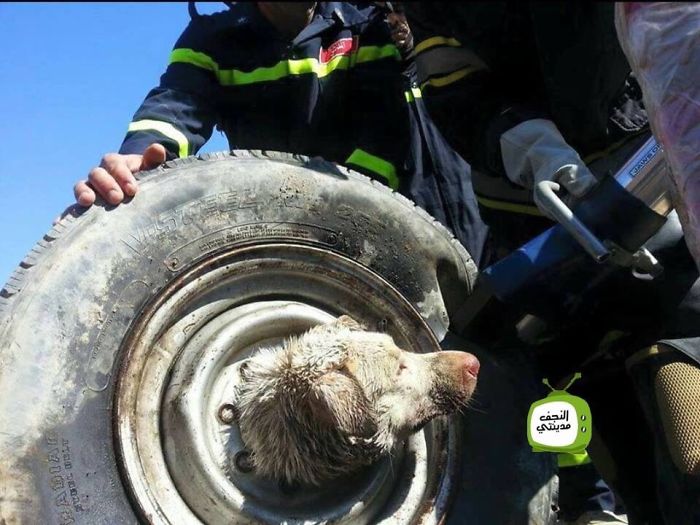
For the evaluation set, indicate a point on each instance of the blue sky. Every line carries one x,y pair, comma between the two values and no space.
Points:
71,77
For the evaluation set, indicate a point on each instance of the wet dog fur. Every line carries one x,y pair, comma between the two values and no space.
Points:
338,397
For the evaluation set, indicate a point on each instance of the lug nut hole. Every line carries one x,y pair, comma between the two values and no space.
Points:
243,461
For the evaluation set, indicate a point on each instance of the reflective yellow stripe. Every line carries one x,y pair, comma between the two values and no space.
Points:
412,95
573,460
233,77
303,66
436,41
376,165
371,53
509,206
164,128
449,79
195,58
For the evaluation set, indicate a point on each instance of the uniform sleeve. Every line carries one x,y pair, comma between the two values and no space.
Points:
464,96
181,112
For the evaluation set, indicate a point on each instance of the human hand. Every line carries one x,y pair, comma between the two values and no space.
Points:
113,179
400,32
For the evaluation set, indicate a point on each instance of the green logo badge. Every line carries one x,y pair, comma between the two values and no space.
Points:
560,422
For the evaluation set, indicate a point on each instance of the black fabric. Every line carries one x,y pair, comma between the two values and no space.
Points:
554,60
584,71
581,489
440,180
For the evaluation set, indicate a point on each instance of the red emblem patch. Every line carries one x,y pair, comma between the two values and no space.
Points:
342,47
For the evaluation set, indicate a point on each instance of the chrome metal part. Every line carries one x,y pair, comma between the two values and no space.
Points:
643,264
557,209
645,175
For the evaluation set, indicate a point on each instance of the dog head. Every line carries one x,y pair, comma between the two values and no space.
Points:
338,397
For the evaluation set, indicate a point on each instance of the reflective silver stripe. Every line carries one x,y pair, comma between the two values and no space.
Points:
166,129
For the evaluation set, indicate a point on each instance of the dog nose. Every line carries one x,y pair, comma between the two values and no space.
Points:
462,363
471,365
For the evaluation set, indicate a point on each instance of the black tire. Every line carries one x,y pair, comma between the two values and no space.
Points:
68,308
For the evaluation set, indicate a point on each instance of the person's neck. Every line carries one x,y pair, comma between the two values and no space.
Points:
289,18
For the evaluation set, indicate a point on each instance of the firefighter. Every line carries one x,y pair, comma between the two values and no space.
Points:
313,78
527,92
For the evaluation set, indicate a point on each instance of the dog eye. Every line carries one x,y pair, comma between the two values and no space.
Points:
402,367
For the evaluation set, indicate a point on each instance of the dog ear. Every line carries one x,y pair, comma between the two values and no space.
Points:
348,322
337,400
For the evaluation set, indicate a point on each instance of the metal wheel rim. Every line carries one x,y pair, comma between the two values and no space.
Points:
232,303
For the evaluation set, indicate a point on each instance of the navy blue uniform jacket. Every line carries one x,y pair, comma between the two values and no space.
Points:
339,90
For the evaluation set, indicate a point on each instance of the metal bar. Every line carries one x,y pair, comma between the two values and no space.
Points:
559,211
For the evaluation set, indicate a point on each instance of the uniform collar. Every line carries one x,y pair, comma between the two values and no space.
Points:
342,14
347,13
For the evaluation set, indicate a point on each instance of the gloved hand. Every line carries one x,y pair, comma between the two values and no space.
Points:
534,151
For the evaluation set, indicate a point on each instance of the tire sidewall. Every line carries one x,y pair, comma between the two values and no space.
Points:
63,333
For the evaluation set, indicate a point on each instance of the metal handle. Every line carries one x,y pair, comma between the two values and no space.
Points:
553,206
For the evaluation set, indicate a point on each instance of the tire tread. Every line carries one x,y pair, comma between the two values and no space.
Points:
72,215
